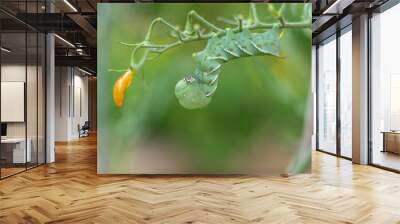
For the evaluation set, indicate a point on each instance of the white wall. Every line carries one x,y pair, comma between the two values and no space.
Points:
62,81
80,109
16,73
71,102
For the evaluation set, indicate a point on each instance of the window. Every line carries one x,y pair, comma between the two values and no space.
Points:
327,96
385,89
346,93
22,77
313,95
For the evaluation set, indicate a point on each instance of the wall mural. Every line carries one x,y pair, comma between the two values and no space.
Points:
204,88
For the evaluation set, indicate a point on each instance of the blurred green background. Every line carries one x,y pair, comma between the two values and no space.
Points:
259,99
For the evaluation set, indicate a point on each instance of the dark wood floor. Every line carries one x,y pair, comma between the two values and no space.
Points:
70,191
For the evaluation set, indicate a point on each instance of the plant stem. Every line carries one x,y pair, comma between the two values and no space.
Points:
189,35
159,48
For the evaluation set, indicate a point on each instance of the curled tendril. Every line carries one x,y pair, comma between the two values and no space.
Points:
121,85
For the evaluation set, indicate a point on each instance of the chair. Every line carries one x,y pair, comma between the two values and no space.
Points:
84,130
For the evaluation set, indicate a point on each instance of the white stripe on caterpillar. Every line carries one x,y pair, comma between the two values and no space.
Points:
243,49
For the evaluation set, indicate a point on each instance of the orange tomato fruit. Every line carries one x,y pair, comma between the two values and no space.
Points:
121,85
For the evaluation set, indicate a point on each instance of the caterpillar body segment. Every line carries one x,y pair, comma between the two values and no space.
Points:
196,90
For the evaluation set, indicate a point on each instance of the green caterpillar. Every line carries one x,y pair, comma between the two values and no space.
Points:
196,90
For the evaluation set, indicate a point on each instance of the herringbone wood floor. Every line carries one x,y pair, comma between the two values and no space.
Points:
69,191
